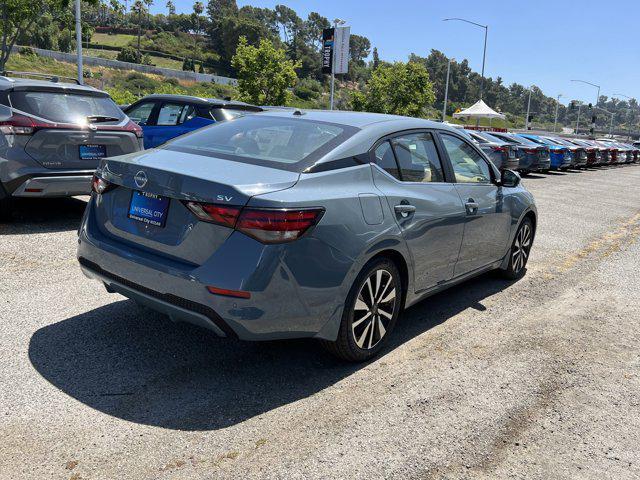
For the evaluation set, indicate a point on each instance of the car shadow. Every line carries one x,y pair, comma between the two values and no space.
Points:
34,215
534,176
135,364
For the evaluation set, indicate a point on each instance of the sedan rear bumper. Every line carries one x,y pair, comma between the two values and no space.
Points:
56,186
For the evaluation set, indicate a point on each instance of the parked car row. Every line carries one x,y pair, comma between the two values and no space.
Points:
527,153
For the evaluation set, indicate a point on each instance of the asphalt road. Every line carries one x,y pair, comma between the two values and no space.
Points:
538,379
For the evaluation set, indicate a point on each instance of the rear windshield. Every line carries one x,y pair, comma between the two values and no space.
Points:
287,143
65,107
520,140
222,114
491,138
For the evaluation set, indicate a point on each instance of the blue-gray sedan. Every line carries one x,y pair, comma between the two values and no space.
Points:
304,224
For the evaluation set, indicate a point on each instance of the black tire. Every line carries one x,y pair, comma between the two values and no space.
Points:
6,205
363,335
519,251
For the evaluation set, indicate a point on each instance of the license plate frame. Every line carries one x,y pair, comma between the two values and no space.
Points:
92,151
149,208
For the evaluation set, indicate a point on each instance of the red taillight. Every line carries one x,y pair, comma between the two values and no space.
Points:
500,149
135,128
18,125
530,150
277,226
100,185
220,214
265,225
229,293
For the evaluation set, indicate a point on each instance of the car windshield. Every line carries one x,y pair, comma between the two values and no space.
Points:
65,107
266,140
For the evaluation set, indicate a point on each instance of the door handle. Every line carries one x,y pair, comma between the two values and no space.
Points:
404,209
471,206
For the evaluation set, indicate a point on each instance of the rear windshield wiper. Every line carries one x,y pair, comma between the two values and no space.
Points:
101,118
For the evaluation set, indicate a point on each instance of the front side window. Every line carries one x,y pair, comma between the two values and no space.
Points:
386,160
418,158
65,107
468,165
141,113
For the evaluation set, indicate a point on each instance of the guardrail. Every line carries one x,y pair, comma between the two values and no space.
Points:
105,62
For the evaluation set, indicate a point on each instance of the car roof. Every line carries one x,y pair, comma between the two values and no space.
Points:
199,100
11,83
360,120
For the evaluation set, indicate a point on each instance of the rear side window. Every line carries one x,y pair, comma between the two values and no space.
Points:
418,158
386,160
279,142
65,107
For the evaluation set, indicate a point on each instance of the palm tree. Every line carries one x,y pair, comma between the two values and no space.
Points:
148,3
171,7
117,8
138,8
198,8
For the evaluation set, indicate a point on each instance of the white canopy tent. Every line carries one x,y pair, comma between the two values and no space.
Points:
479,110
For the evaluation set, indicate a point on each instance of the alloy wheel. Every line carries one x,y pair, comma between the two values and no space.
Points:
373,310
521,248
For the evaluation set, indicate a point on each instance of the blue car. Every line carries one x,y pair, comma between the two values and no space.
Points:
304,224
561,157
163,117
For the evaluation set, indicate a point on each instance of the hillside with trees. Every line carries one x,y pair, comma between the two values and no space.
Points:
209,38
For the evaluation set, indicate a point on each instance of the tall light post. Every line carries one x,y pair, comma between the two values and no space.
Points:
593,85
446,92
484,54
526,121
555,122
336,22
628,98
79,40
578,119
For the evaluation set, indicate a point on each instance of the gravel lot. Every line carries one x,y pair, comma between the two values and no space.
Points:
537,379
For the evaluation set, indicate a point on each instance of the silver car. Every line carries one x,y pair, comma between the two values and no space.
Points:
304,224
52,136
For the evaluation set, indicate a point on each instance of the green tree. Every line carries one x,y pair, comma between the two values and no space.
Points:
265,75
398,88
171,7
18,17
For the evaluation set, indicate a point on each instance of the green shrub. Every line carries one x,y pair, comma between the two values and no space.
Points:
128,54
308,89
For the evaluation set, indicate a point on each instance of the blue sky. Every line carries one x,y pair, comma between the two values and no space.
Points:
541,42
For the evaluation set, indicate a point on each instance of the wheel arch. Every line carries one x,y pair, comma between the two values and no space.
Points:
401,264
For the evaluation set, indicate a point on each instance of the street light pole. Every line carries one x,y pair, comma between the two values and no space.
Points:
578,119
526,124
555,122
593,85
484,53
446,92
628,98
79,40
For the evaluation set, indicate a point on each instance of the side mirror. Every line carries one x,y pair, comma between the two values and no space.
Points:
510,179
